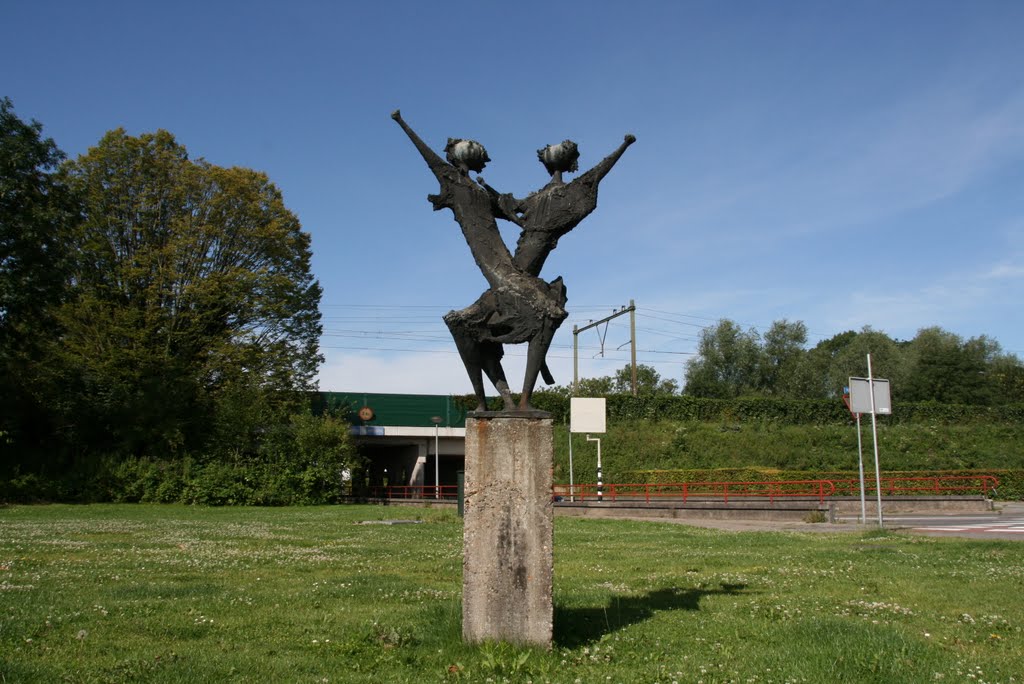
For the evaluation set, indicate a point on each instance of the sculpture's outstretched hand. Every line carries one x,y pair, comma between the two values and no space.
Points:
433,160
605,165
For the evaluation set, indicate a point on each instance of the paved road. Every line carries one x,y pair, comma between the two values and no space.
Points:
1007,523
990,527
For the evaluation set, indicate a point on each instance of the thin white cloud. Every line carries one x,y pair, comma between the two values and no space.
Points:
399,372
1005,271
869,166
957,301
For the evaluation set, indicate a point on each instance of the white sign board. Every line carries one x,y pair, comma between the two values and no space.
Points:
586,415
860,396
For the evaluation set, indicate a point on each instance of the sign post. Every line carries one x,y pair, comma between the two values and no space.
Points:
860,458
871,395
587,415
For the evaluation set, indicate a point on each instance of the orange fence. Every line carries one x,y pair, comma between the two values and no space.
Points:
938,485
820,490
685,491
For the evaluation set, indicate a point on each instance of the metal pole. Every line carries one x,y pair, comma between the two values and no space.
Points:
575,359
436,420
600,493
860,465
593,324
874,437
572,393
572,491
632,341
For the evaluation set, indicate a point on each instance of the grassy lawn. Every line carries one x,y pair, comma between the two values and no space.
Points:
123,593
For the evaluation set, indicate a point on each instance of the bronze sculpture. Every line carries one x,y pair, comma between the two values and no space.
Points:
519,306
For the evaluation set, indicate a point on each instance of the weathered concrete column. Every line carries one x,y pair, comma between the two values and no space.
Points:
508,535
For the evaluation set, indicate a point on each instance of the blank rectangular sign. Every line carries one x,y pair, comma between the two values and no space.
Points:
860,396
586,415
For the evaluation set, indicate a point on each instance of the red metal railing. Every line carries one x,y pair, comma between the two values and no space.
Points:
820,490
449,492
938,485
815,489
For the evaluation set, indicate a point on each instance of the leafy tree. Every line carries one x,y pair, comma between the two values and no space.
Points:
593,387
193,285
648,381
727,362
784,366
35,215
843,356
1006,378
945,368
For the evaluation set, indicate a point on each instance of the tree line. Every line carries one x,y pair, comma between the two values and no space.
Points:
152,306
935,366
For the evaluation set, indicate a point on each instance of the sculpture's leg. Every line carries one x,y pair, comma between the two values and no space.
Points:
490,360
469,351
535,354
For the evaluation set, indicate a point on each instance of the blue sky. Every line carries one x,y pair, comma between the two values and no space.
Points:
839,163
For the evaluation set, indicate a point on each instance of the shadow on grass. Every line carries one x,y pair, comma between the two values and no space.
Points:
580,626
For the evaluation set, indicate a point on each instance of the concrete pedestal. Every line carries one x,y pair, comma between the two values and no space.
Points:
508,535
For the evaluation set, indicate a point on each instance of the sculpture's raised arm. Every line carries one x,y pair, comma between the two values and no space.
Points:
434,161
602,168
503,204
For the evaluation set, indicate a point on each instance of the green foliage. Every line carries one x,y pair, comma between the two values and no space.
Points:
728,363
647,445
35,214
648,382
624,408
935,366
193,286
783,359
302,462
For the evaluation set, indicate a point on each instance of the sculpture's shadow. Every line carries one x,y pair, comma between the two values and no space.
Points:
580,626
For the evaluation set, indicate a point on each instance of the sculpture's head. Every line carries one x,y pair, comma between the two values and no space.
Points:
560,157
466,154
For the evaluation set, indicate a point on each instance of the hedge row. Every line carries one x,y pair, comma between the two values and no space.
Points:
1011,482
623,407
216,483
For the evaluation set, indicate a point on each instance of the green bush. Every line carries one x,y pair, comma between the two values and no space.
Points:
685,445
298,462
626,408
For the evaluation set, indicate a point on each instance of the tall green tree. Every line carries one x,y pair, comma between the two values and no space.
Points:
846,356
1006,377
192,291
785,371
943,367
36,213
727,364
648,381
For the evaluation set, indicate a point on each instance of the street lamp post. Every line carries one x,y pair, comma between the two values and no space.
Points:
436,420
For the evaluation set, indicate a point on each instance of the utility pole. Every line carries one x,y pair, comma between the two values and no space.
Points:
631,310
632,341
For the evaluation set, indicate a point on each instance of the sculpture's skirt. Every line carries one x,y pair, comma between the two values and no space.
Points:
505,316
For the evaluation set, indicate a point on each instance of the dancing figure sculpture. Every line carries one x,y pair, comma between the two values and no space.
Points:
519,306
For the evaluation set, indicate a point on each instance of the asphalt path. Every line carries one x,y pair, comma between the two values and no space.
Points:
1005,523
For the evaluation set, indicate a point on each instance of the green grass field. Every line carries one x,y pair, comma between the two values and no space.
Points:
147,593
